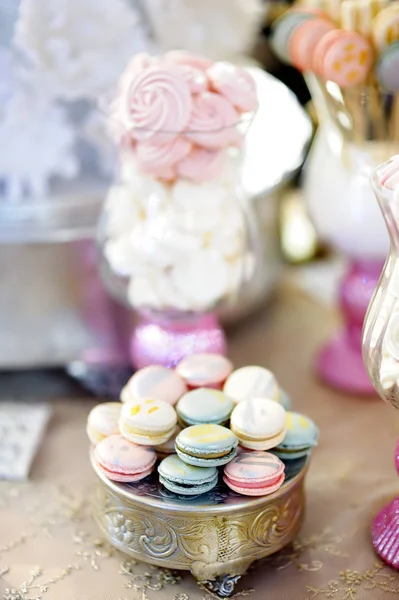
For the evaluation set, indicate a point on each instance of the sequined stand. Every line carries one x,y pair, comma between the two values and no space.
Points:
340,362
385,529
165,341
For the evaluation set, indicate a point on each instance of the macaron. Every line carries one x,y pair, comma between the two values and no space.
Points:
168,448
385,27
155,382
344,57
251,382
204,405
388,68
304,40
204,370
259,423
301,436
283,29
254,473
103,421
123,461
206,445
181,478
148,422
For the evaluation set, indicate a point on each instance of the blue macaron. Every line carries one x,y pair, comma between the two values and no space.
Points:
301,436
282,30
388,68
181,478
204,405
206,445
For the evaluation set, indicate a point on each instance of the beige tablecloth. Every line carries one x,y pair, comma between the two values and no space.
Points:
48,540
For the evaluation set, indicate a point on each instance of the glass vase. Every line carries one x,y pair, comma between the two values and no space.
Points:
176,252
359,129
381,351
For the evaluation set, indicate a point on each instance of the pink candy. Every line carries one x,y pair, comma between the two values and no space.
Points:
154,158
201,164
158,103
390,174
213,121
235,84
180,113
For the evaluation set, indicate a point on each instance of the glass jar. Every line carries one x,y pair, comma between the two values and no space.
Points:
358,129
176,251
381,331
381,347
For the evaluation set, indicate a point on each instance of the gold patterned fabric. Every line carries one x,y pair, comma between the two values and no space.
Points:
51,549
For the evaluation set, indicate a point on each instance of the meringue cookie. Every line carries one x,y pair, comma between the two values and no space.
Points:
199,197
389,372
201,164
196,78
123,256
235,84
170,108
156,158
122,211
212,122
161,245
142,293
202,279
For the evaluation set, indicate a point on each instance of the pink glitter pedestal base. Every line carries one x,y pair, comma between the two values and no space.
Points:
340,363
385,534
385,529
167,341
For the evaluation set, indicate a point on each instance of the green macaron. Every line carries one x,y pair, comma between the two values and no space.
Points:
204,405
301,436
181,478
207,445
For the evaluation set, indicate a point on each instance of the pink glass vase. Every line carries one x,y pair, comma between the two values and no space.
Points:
381,352
355,134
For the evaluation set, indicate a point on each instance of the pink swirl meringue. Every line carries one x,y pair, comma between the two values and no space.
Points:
201,164
212,122
157,104
389,177
196,79
152,157
235,84
183,57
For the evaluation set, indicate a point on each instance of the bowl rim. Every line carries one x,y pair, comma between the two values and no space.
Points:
248,503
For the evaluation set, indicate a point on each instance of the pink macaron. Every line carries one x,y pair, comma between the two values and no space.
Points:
254,473
155,382
124,461
305,39
204,370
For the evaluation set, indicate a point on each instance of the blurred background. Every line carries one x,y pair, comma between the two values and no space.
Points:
57,58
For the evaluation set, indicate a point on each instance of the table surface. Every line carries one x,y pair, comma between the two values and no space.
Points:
47,537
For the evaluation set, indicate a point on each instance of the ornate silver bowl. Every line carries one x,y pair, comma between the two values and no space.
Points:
216,536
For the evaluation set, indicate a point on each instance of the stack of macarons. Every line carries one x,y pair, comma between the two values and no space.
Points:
343,46
197,418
